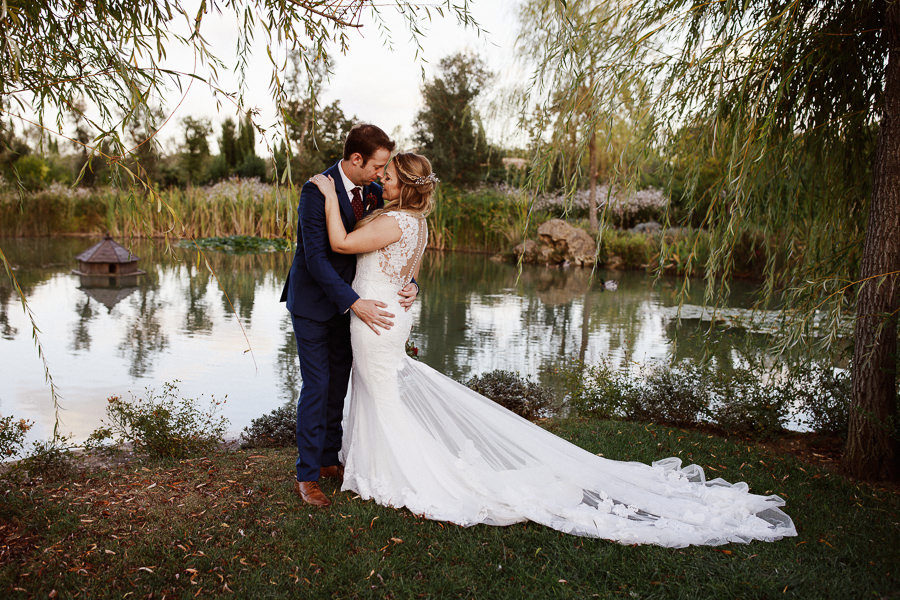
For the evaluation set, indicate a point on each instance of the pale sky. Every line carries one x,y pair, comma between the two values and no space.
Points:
373,83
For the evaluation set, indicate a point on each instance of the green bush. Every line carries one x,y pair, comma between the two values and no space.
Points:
50,458
12,435
635,249
277,429
735,402
674,395
746,406
31,171
513,392
599,391
161,425
824,395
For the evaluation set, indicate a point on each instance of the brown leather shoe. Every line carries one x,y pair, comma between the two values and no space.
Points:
310,493
332,472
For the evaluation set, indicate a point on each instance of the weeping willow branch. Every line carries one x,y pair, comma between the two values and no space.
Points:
35,335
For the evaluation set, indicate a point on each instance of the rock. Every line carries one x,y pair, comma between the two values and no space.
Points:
530,250
561,242
615,263
648,227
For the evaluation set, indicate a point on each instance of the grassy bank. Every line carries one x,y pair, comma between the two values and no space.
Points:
228,523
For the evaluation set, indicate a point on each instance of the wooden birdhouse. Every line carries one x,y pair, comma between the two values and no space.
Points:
108,259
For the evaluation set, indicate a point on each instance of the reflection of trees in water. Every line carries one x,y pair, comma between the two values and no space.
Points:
550,304
81,335
144,338
239,276
447,281
196,317
286,363
7,331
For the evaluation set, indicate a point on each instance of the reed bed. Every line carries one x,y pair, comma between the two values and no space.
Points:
233,207
485,220
488,219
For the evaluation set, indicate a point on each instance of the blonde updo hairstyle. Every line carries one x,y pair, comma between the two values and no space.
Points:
414,197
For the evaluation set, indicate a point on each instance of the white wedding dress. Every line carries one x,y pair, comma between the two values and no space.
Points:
415,438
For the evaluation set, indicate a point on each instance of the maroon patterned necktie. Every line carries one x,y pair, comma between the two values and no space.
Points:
356,203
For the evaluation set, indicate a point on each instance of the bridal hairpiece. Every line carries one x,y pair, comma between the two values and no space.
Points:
430,178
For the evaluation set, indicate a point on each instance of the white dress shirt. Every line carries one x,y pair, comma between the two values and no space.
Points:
348,185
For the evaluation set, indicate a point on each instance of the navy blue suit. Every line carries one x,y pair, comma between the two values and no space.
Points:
318,295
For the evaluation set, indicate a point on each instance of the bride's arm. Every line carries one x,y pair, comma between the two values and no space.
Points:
375,234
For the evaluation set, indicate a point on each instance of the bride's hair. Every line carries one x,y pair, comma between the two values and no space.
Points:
417,183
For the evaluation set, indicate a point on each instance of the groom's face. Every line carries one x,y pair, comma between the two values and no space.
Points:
367,171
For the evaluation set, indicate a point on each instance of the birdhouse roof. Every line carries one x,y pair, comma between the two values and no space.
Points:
107,251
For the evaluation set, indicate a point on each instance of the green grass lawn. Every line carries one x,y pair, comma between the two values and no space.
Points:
229,523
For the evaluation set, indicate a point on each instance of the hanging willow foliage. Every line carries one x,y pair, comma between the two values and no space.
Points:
781,96
767,112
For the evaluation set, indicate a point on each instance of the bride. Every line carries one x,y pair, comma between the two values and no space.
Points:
415,438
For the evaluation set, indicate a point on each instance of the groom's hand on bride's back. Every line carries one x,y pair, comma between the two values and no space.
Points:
370,312
408,295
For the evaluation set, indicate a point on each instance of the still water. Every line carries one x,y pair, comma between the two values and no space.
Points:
175,323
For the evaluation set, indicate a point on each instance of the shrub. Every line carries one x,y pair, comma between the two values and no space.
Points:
674,395
51,458
12,435
277,429
31,171
513,392
599,391
824,396
745,406
161,425
736,402
626,208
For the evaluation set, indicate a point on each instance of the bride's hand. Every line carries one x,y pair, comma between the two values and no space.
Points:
325,183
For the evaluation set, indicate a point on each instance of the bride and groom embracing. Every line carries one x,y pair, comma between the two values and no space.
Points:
417,439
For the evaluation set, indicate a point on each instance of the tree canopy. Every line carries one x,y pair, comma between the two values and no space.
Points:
448,129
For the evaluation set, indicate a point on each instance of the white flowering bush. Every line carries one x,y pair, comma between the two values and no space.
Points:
626,207
236,189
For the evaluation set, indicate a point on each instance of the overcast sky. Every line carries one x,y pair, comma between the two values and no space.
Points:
373,83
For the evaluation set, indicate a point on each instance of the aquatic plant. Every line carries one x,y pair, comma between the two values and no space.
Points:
239,244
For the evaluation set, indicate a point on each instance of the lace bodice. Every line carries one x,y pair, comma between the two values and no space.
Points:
396,263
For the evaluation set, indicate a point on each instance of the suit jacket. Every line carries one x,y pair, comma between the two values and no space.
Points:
318,284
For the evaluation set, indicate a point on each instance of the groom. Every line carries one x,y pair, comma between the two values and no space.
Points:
319,297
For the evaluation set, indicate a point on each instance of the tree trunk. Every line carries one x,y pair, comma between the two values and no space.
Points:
586,307
592,158
592,201
871,449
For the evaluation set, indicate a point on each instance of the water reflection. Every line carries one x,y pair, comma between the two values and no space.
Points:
176,322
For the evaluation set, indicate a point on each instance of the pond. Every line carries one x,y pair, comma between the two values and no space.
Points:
175,323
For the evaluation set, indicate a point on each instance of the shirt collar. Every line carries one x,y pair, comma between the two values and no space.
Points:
348,185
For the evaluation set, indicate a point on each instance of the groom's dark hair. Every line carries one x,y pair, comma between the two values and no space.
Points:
366,139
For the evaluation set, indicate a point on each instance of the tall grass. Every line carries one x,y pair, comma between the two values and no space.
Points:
232,207
483,220
486,220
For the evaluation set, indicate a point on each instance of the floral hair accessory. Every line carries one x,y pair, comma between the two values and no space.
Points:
430,178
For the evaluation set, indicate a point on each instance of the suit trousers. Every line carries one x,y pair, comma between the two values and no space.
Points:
325,361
